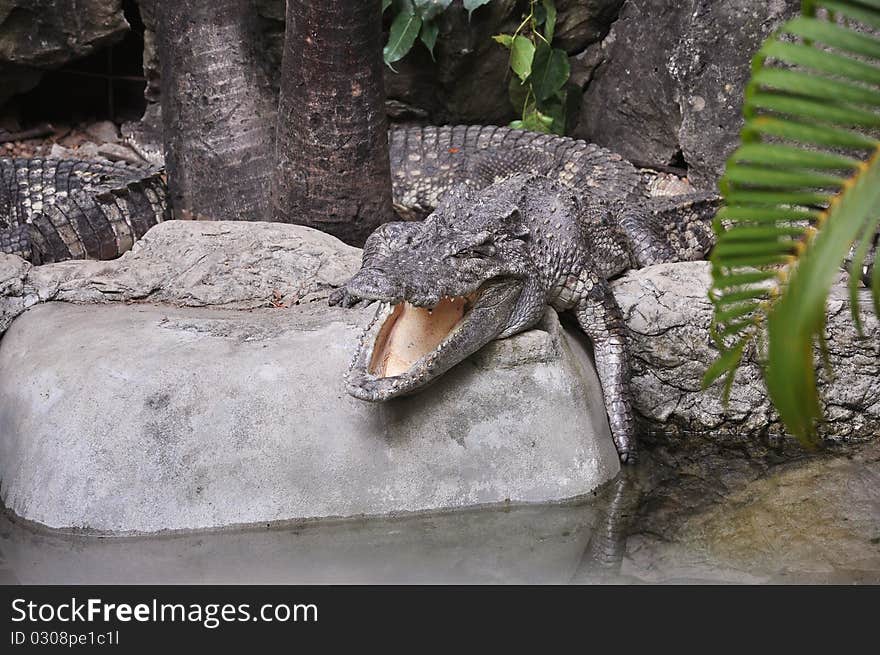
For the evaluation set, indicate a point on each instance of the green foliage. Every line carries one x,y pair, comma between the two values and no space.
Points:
415,19
800,191
541,91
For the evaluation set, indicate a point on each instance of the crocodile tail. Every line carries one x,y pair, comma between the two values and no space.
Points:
80,209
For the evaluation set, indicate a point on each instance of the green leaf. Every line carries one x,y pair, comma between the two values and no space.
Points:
750,293
855,270
826,62
748,197
797,318
555,107
519,93
774,154
504,39
385,5
816,29
816,134
428,35
738,311
404,30
539,14
549,20
821,111
848,9
522,53
470,5
758,176
727,249
550,71
727,363
806,84
875,283
760,233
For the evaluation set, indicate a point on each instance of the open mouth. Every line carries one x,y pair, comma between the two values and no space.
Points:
406,347
410,333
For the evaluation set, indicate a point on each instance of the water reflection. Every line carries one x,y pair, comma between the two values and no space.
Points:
582,542
606,548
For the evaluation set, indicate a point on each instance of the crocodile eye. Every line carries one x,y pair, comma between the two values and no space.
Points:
476,252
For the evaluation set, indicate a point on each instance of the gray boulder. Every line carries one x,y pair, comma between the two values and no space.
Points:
236,265
38,35
142,418
13,272
809,521
225,403
670,84
668,314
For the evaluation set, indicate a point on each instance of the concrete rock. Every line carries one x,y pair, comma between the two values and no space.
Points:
669,90
239,265
13,271
630,105
103,132
38,35
668,314
805,522
136,418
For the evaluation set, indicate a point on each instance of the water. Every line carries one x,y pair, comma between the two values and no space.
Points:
814,519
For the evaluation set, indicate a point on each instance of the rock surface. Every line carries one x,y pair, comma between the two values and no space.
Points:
816,520
13,272
269,265
237,265
668,314
670,83
38,35
140,418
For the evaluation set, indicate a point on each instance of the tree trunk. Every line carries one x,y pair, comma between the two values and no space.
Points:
332,170
218,110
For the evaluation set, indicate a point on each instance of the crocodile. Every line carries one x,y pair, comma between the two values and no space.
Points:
57,209
485,265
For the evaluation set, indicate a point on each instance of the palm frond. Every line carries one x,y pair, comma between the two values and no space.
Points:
800,191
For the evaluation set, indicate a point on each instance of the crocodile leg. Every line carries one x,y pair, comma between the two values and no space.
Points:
667,229
599,316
